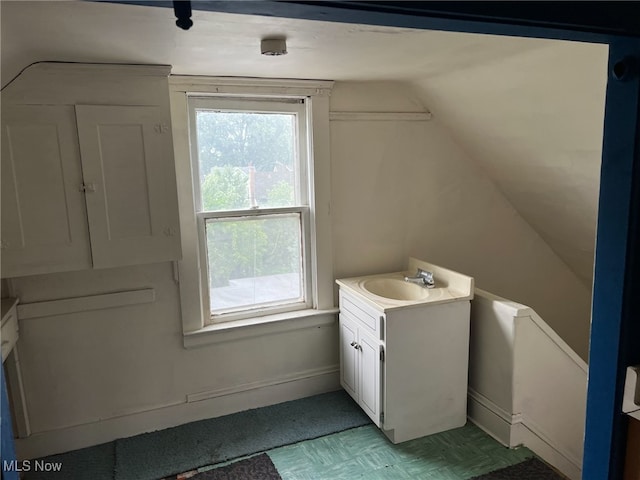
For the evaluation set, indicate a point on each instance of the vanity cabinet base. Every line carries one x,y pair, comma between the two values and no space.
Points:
420,387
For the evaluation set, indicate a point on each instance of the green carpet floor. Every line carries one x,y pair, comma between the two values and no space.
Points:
365,453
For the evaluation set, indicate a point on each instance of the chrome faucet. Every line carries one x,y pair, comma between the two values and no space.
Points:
423,278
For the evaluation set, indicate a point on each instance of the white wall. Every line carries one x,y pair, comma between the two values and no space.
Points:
404,189
93,366
398,189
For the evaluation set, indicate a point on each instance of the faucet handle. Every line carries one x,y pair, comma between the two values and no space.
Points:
428,276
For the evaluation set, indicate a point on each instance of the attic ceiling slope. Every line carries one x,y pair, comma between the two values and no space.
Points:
534,124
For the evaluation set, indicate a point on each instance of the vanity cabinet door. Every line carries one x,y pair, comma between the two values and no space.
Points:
369,352
360,372
44,223
348,358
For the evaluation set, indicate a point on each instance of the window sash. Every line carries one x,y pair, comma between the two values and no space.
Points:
259,308
295,106
301,294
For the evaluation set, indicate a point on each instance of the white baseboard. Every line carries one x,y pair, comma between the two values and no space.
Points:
549,453
240,398
514,430
492,419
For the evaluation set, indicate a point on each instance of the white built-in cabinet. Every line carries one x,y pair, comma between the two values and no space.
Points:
88,177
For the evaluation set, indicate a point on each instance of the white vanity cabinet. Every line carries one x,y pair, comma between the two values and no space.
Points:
406,362
88,178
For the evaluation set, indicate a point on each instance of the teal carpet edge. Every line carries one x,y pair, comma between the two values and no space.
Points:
155,455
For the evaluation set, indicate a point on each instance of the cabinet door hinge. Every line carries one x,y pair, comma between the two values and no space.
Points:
381,417
88,188
161,128
381,354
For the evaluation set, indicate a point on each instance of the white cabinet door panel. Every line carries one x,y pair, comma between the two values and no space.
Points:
348,358
370,376
44,225
126,156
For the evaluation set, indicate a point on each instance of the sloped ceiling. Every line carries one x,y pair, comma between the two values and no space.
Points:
534,122
529,111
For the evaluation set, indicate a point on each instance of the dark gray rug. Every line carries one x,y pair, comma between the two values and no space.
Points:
207,442
532,469
91,463
259,467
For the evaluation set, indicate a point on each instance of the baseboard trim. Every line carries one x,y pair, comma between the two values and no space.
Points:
227,401
514,430
558,456
492,419
549,453
200,396
494,407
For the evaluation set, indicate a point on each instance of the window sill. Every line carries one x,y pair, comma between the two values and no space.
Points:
259,326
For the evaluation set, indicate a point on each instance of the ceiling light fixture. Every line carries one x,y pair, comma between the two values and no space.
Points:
273,46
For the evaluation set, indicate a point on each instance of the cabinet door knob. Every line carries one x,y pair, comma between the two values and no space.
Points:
353,344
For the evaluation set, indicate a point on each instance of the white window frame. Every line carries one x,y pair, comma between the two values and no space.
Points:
268,105
319,309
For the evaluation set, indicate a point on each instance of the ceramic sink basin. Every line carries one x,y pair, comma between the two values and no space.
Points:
395,289
389,291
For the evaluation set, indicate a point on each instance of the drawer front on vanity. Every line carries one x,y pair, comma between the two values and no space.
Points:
366,316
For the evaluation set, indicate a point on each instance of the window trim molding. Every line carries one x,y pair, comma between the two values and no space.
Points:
248,86
297,106
317,93
259,326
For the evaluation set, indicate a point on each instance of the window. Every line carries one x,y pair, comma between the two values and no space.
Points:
250,176
252,167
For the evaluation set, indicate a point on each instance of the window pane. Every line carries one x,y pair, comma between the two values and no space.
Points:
254,261
246,160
